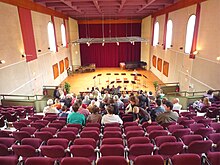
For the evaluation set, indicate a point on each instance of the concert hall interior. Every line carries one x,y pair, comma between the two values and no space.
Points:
93,82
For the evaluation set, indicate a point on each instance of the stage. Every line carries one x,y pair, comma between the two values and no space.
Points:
141,79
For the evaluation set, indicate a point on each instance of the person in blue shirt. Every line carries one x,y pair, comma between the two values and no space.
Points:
75,117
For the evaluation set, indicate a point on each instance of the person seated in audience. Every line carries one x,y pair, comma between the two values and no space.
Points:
159,92
118,102
133,103
83,110
106,95
50,108
158,110
124,97
102,91
176,104
75,117
57,104
95,117
164,100
64,112
209,94
67,100
199,104
114,105
151,96
110,117
56,93
216,97
86,100
140,115
168,116
143,100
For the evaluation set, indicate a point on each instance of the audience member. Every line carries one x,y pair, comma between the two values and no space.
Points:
64,112
118,102
140,115
56,93
75,117
86,100
50,108
168,116
110,117
133,103
158,110
82,110
176,104
95,117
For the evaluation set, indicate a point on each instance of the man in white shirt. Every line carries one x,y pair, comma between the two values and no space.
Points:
176,104
110,117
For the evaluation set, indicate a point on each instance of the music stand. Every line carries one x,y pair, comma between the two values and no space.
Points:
116,74
99,78
112,82
132,74
94,80
125,82
144,82
139,74
133,82
123,74
108,74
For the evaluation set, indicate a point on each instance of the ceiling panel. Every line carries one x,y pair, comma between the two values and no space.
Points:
99,9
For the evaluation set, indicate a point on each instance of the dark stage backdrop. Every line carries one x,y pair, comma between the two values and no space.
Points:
109,55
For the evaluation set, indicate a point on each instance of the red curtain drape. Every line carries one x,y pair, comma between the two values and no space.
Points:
109,55
165,31
54,27
196,31
27,33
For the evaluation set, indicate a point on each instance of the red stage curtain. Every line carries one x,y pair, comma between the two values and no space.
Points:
27,33
109,55
196,31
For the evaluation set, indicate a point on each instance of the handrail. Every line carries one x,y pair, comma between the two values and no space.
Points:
165,84
50,86
25,97
185,93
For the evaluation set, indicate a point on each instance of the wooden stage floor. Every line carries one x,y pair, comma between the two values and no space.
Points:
81,82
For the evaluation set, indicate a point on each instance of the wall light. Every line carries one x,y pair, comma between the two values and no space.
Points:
103,44
23,55
195,52
218,58
118,43
2,61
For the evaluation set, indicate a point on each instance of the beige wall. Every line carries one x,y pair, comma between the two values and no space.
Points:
16,75
75,48
203,72
146,34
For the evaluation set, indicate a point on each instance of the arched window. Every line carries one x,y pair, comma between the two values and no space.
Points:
189,33
156,34
63,35
51,37
169,34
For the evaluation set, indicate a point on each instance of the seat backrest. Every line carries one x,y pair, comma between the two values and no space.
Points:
199,146
58,141
138,140
53,151
162,139
112,141
49,129
112,134
140,149
172,128
34,142
186,159
214,158
24,151
85,141
215,137
69,135
75,161
7,141
90,134
112,150
39,160
9,160
187,139
149,160
109,160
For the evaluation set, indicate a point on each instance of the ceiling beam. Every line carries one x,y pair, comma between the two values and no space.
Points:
177,6
149,2
122,5
71,6
97,6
